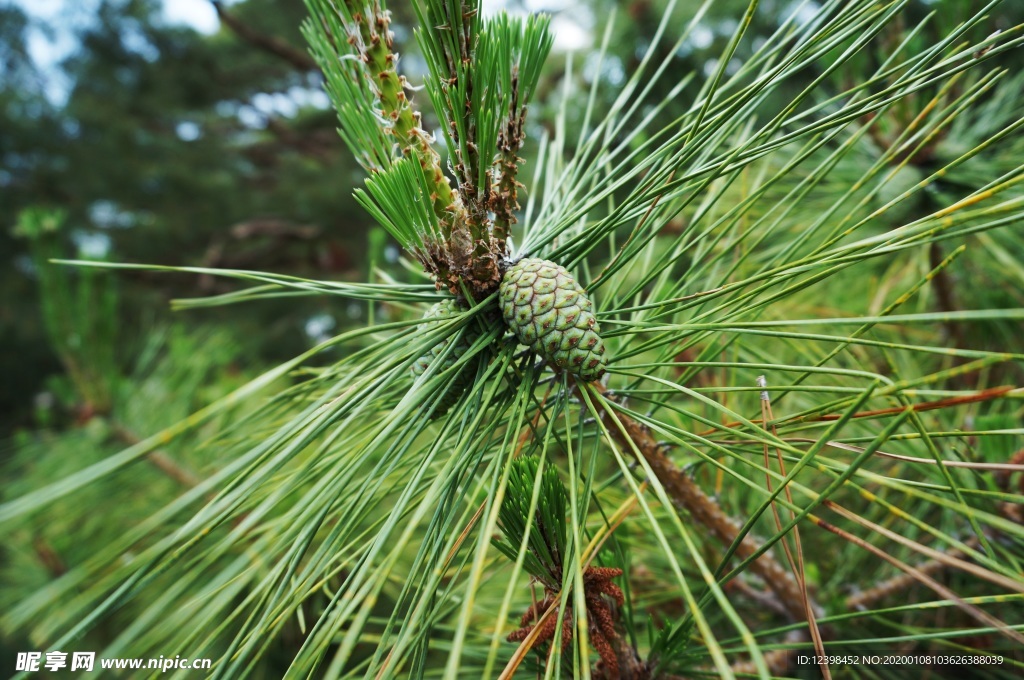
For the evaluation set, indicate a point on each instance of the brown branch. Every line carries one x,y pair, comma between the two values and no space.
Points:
268,43
897,585
160,460
761,598
983,395
687,495
1002,470
318,143
923,578
167,465
278,229
163,462
273,237
48,556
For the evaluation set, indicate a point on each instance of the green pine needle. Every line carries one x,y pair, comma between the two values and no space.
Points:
399,199
544,530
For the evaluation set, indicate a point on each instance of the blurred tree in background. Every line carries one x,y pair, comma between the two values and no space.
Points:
173,147
153,143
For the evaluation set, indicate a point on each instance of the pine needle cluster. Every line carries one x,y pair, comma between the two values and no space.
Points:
481,75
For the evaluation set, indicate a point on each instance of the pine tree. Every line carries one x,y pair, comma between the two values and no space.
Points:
782,439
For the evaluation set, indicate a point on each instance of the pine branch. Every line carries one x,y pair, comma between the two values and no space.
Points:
353,41
482,74
268,43
503,200
354,491
631,436
46,554
528,46
161,460
370,35
459,81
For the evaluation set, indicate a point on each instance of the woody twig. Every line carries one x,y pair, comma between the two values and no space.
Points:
688,496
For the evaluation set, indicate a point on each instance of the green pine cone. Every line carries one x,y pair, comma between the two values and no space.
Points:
462,380
551,313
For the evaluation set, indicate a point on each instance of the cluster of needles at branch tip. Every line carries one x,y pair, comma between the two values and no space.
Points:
481,75
546,546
